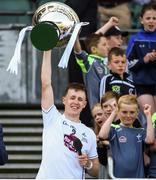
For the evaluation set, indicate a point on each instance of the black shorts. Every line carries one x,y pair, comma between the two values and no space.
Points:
145,89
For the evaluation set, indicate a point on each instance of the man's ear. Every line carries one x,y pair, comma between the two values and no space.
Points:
63,99
85,103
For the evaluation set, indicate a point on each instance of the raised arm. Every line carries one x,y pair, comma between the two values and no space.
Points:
77,46
104,131
47,98
150,130
113,21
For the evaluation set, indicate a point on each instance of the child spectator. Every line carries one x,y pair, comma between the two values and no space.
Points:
93,63
135,7
141,55
115,36
109,101
99,119
100,113
127,142
118,80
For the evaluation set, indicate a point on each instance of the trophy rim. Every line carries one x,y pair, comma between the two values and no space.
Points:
43,6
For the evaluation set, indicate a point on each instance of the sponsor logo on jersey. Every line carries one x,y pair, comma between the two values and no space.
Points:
68,142
122,139
116,89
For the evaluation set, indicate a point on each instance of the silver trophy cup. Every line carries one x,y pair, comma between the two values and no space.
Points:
53,25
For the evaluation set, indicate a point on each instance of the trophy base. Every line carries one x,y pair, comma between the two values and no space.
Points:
44,36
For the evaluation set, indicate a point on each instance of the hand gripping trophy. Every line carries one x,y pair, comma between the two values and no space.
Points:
54,24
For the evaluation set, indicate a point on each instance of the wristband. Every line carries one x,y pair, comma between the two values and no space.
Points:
90,166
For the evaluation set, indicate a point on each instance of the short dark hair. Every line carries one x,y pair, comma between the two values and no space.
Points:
109,95
92,40
76,86
146,7
115,51
115,31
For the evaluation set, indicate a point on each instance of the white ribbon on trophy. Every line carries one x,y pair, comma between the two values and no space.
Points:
16,59
65,57
57,17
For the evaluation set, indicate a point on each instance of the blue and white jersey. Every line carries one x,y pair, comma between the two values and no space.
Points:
113,82
139,45
127,150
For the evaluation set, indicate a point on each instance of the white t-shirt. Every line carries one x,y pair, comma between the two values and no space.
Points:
59,158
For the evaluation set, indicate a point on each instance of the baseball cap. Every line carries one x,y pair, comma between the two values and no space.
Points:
115,31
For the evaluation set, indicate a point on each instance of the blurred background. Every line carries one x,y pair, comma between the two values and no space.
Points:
20,112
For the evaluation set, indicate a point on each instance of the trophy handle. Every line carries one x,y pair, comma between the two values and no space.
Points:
45,35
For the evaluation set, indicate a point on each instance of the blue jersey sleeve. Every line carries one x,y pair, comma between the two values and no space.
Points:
3,152
135,61
112,133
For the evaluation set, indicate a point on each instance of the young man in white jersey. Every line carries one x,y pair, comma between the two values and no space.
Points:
61,158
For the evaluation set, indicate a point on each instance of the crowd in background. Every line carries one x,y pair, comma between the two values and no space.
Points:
118,70
107,67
